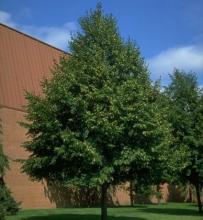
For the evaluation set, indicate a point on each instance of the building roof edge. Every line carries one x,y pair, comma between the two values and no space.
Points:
36,39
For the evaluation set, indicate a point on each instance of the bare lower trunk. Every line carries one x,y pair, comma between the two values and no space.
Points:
131,193
104,201
197,187
190,194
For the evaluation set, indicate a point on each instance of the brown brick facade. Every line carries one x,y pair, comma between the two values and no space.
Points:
24,62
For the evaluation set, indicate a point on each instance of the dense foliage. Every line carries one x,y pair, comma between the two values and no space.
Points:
98,122
8,206
186,117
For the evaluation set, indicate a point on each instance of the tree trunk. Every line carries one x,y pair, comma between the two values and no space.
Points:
104,201
158,188
197,187
190,194
131,193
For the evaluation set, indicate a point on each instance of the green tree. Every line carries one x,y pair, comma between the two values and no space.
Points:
186,117
173,160
98,122
3,163
8,205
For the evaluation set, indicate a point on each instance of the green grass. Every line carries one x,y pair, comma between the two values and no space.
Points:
171,211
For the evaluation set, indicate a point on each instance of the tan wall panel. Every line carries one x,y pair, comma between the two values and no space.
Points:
24,61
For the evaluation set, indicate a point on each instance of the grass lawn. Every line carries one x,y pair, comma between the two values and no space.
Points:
170,211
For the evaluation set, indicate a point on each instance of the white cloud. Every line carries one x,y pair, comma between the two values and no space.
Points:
188,58
5,18
57,36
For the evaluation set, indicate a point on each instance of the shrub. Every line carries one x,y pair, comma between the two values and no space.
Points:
8,206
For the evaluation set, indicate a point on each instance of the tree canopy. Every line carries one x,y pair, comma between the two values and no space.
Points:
98,122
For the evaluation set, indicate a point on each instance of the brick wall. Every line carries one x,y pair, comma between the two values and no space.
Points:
31,194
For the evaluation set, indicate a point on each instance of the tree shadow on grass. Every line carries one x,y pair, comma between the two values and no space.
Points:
78,217
171,211
128,206
192,205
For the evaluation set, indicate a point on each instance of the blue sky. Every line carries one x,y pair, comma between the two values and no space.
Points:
168,32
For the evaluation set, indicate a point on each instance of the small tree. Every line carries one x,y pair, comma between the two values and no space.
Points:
186,116
98,122
173,160
8,206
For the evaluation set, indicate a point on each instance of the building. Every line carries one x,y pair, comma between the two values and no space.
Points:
24,62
